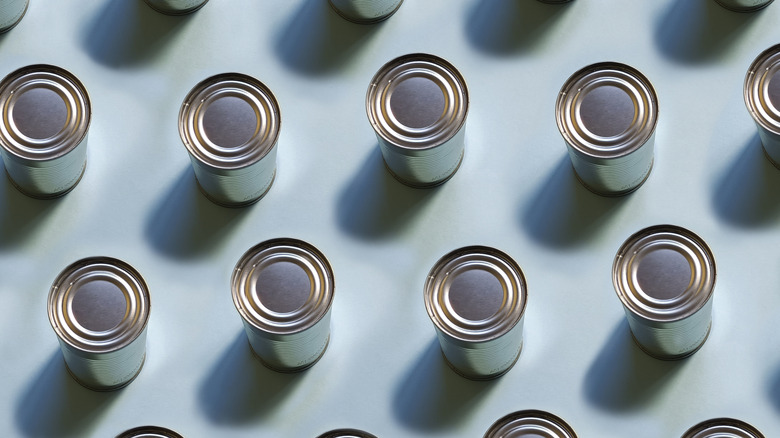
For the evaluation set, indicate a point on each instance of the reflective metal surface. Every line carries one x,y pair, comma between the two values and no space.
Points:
176,7
11,13
365,11
530,424
744,5
723,428
346,433
762,97
149,432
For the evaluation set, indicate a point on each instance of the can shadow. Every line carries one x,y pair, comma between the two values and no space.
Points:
624,378
185,224
55,405
747,193
773,390
504,27
317,41
432,397
21,215
374,204
239,389
563,212
699,31
127,33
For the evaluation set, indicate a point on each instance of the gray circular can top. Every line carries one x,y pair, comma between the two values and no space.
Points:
723,428
149,432
346,433
530,424
762,89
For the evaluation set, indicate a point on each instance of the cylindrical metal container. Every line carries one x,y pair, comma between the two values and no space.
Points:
283,289
744,5
417,105
476,297
99,308
11,13
365,11
531,424
176,7
762,97
665,276
230,125
723,428
346,433
43,134
149,432
607,113
555,1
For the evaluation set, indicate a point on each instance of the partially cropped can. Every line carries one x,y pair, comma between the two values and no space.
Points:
607,113
365,11
762,97
417,105
555,1
665,276
744,5
346,433
11,13
476,298
176,7
230,125
43,134
283,289
149,432
531,424
723,428
99,308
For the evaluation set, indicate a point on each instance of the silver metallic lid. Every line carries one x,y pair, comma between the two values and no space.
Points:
762,89
530,424
229,121
99,305
282,286
46,112
417,101
475,294
149,432
723,428
607,110
664,273
346,433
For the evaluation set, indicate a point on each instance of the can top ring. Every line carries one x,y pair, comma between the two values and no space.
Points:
149,432
99,304
664,273
229,121
762,89
346,433
46,112
723,428
282,286
417,101
532,424
607,110
475,294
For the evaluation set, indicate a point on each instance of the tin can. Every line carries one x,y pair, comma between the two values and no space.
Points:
762,97
476,297
607,113
417,105
723,428
283,289
99,308
11,13
555,2
365,11
46,113
230,125
346,433
665,276
744,5
176,7
149,432
531,424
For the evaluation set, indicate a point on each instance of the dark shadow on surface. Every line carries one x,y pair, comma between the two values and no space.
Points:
564,213
699,31
317,41
185,224
748,192
375,205
504,27
773,390
55,405
432,397
623,377
240,389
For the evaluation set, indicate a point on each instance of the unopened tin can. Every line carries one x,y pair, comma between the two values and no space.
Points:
365,11
11,13
665,276
762,97
176,7
149,432
607,113
417,105
531,424
346,433
476,297
723,428
230,125
46,113
744,5
99,308
283,289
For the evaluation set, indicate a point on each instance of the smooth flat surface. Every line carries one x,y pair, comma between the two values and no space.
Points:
515,191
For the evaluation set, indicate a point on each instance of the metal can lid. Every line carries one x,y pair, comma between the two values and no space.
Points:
664,273
149,432
282,286
417,101
607,110
46,112
475,294
99,304
229,121
723,428
762,89
346,433
530,424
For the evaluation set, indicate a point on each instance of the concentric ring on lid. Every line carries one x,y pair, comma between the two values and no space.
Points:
723,428
762,89
346,433
149,432
530,424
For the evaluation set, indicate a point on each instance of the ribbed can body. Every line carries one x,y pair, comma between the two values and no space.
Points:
365,11
176,7
770,142
762,98
744,5
11,13
47,179
236,187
